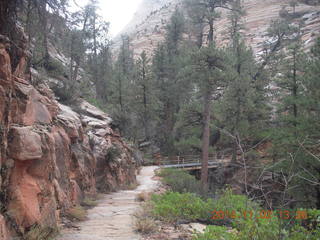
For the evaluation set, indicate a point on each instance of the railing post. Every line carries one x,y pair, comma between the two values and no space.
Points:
178,160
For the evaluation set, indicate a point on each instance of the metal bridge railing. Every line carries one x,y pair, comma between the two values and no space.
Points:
186,159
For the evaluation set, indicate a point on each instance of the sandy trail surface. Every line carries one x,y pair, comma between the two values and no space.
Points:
112,218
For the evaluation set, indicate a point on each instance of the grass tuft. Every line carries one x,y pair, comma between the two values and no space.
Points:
77,213
38,232
144,222
143,197
89,203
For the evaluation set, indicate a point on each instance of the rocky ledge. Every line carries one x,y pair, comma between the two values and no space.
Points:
51,157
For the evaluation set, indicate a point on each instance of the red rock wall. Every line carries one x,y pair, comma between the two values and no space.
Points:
48,162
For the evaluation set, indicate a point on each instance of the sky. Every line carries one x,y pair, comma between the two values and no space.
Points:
117,12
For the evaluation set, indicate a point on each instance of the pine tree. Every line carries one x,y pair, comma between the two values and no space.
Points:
165,69
244,104
121,86
206,10
144,93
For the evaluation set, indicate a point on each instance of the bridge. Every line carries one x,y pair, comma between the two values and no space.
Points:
193,162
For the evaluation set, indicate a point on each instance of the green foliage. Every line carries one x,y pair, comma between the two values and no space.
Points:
248,224
66,94
89,202
77,213
216,232
112,154
55,68
173,207
171,88
181,181
96,102
227,201
38,232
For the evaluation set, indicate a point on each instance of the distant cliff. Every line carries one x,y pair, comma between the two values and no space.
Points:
147,28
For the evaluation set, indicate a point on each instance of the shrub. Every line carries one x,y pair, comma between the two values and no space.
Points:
301,233
66,95
112,154
143,197
216,232
55,68
96,102
144,221
145,225
77,213
38,232
181,181
173,207
132,186
233,204
89,202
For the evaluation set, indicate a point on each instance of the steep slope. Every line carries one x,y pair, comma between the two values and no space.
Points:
147,28
51,157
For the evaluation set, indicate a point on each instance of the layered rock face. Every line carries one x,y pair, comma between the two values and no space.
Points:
147,28
50,156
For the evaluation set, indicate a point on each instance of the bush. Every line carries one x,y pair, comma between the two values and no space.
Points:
145,225
96,102
132,186
77,213
66,95
173,207
233,204
259,229
216,232
112,154
38,232
254,227
144,221
143,196
89,202
181,181
55,68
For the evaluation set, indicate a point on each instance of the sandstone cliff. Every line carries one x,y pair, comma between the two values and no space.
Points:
51,157
147,28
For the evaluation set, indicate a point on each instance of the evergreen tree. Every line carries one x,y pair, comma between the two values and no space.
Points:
295,128
244,104
144,93
166,65
206,10
122,83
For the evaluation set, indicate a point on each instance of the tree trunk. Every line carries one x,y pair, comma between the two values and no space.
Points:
205,140
295,88
211,30
168,125
146,114
120,93
44,20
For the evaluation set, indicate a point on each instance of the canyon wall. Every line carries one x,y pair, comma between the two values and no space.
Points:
51,157
147,27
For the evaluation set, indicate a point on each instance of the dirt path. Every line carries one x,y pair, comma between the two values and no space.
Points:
112,218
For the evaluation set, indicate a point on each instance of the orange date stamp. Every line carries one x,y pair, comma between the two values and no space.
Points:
261,214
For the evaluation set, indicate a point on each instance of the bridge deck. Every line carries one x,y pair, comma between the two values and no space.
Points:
190,165
191,162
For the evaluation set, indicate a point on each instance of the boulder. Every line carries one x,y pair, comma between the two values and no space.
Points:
92,111
71,121
24,144
31,107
